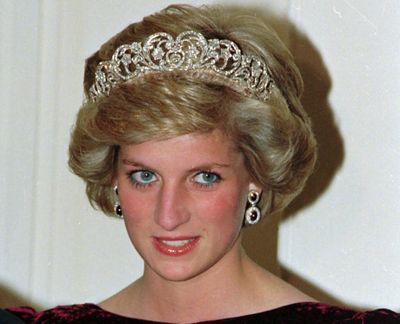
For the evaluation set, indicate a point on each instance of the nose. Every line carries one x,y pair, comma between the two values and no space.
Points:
171,210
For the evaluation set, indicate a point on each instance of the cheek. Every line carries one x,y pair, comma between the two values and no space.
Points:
136,208
224,207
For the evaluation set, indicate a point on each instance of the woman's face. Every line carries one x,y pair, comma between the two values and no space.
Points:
183,201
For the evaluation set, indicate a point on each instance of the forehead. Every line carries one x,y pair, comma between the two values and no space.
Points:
194,148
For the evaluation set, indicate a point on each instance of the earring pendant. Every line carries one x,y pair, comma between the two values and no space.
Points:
117,206
253,213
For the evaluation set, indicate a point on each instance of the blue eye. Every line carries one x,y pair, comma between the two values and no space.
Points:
142,177
207,178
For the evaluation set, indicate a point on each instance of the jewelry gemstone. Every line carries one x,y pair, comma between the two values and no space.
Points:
253,197
118,210
253,215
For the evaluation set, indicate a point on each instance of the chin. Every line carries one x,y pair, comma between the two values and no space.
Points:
172,271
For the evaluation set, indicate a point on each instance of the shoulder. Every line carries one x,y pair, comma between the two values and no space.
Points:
305,312
312,312
77,313
289,305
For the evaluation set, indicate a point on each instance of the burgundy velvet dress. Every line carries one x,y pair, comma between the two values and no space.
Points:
306,312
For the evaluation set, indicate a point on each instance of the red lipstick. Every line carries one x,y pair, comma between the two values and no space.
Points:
176,246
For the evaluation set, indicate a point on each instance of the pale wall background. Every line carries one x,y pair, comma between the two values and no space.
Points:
341,239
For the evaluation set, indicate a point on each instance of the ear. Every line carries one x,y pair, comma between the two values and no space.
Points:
255,186
114,180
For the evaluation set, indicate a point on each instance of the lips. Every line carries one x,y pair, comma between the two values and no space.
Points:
175,246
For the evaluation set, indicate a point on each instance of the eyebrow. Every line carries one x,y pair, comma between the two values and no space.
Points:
133,163
205,166
209,166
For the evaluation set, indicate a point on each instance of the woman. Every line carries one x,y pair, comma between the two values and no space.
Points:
192,129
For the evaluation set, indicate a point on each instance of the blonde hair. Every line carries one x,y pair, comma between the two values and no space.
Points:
275,136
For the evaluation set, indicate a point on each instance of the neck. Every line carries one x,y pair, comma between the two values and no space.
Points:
185,301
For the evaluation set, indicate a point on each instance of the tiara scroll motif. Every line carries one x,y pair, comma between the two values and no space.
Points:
189,51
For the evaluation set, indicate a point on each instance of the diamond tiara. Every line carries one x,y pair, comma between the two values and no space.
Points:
189,51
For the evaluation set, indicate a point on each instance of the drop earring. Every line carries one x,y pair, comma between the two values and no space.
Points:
253,213
117,206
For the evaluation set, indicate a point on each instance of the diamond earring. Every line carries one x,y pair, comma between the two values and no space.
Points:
117,206
253,213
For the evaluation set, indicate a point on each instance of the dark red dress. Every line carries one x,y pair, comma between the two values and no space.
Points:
306,312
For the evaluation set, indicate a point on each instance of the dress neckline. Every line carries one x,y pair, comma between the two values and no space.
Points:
272,311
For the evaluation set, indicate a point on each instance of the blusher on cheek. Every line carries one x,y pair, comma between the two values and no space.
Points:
135,207
223,209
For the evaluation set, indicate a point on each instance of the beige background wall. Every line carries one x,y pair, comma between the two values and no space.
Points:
339,241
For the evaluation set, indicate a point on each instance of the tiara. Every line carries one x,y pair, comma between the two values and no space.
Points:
189,51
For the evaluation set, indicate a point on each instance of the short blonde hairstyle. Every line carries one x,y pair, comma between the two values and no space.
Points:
275,136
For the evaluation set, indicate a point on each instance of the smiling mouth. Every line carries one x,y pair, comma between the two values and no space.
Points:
175,247
176,243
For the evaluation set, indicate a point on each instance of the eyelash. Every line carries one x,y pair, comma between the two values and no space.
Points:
207,185
138,184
